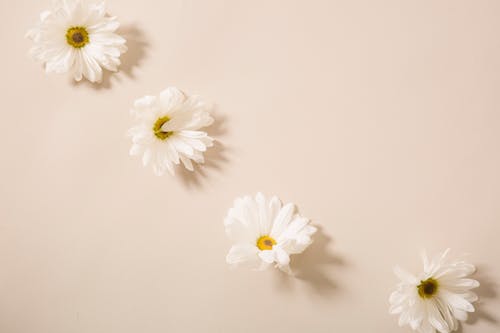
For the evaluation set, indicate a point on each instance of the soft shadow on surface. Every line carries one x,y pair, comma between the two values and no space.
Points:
314,266
215,157
486,291
130,60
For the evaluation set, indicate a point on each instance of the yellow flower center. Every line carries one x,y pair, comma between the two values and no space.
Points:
159,133
265,243
427,288
77,37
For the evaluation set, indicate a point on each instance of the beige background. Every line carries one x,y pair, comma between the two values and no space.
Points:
380,119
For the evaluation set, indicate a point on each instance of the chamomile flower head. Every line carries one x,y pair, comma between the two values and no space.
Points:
77,36
168,130
438,298
265,232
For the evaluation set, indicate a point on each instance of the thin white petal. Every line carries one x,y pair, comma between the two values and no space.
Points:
281,221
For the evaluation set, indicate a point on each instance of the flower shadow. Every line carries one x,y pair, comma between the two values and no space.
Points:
486,291
137,50
312,266
215,157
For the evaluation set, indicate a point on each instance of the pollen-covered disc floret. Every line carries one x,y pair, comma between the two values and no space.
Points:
168,130
77,36
438,298
265,232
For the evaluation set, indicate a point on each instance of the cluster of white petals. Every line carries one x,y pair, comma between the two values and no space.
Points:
266,232
437,298
77,36
168,130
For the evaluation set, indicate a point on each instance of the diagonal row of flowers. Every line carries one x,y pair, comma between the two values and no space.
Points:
77,36
266,232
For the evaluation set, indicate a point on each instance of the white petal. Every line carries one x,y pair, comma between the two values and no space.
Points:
297,235
238,231
282,220
181,146
173,154
404,276
404,319
435,318
78,67
171,98
146,158
285,268
267,256
135,150
457,301
426,327
436,262
196,144
460,284
44,15
194,134
241,253
91,69
274,208
282,257
144,103
264,222
104,26
446,314
470,296
460,314
397,297
187,163
455,271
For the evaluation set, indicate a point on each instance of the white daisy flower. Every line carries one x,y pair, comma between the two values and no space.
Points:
169,130
77,36
265,232
436,299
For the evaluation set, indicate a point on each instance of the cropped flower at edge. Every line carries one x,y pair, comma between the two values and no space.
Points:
168,130
265,232
436,299
77,36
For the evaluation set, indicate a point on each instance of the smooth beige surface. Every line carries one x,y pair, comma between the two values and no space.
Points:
380,119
